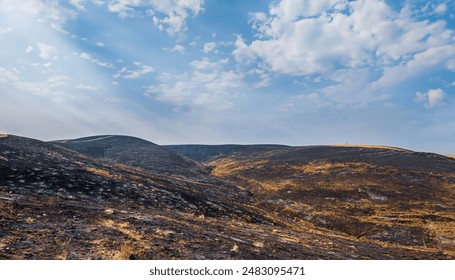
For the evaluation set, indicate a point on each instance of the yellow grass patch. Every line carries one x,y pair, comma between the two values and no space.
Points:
369,147
103,173
226,167
123,227
329,167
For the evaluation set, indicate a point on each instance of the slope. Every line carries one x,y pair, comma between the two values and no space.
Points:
205,153
60,204
388,196
135,152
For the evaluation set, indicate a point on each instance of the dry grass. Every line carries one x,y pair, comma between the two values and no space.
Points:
327,168
225,166
127,251
3,135
369,147
123,227
104,173
134,247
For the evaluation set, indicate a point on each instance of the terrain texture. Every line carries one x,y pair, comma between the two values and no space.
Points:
120,197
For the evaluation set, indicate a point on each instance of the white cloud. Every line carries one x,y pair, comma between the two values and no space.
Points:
209,47
176,48
100,44
46,51
5,30
52,10
209,87
8,76
87,87
169,15
432,98
50,87
206,64
79,4
29,49
290,10
126,73
88,57
420,62
316,37
98,2
441,9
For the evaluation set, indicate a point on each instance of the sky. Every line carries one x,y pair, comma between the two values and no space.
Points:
296,72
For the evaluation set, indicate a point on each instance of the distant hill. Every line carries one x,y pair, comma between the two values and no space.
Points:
135,152
204,153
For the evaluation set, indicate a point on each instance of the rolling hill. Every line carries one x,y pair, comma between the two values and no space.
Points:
119,197
135,152
381,194
205,153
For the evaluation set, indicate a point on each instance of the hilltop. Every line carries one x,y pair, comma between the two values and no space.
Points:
135,152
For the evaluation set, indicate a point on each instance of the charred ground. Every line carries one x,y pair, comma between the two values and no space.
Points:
118,197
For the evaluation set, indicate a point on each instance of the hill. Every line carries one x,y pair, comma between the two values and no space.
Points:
205,153
381,194
56,203
135,152
286,203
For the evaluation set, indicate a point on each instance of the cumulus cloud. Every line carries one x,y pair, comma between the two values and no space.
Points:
79,4
54,11
421,62
46,51
209,87
168,15
129,74
8,76
209,47
316,37
29,49
177,48
441,9
206,64
432,98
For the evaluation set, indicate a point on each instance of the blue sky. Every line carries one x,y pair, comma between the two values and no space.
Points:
296,72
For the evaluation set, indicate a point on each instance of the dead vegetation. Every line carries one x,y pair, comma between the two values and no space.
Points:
302,203
372,198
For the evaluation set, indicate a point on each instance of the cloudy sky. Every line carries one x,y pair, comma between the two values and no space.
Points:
295,72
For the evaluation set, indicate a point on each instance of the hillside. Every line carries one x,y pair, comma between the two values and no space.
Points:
135,152
381,194
286,203
56,203
205,153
